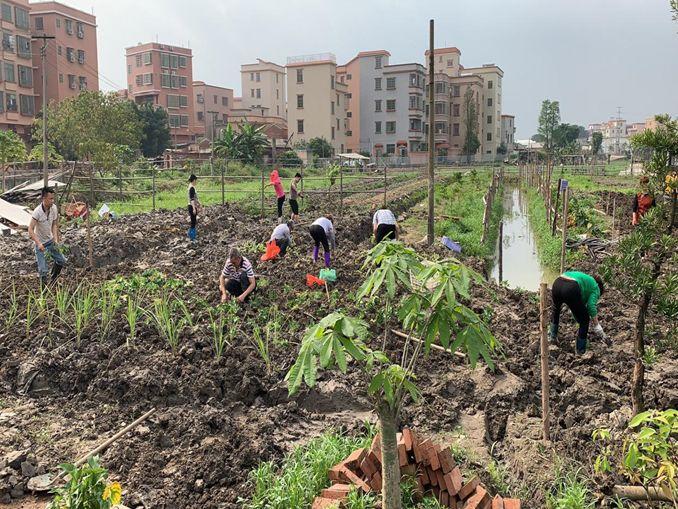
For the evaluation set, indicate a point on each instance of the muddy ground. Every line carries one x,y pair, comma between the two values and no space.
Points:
217,420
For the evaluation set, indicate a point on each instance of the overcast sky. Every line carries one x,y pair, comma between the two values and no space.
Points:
591,55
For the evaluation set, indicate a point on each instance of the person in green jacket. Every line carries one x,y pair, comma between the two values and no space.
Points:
580,292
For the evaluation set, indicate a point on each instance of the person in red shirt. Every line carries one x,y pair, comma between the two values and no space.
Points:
643,201
274,180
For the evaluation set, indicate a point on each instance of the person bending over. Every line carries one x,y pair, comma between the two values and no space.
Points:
282,236
237,277
322,232
384,225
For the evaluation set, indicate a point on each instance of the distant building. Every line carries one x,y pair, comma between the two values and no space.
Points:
508,129
212,108
162,74
71,59
263,86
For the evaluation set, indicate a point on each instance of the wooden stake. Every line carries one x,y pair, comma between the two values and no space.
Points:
555,210
501,252
563,250
90,250
614,212
341,191
431,137
545,389
433,346
262,191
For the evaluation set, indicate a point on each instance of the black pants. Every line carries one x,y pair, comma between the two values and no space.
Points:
319,236
385,230
566,291
281,200
194,216
282,244
294,205
236,287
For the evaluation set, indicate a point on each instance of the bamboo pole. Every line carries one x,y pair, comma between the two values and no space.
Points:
341,191
153,185
566,194
545,385
262,191
555,210
641,493
223,183
431,137
501,251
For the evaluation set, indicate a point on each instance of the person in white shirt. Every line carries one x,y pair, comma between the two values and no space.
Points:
44,230
322,231
384,225
282,236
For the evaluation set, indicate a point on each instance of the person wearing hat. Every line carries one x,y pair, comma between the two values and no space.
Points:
193,207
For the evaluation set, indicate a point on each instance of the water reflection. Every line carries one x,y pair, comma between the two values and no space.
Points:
522,268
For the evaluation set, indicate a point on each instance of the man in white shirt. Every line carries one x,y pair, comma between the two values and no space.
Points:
44,230
384,225
282,236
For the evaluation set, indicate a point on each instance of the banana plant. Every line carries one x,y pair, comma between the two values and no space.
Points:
431,306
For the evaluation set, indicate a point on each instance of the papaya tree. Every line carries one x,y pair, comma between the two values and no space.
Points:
644,266
431,308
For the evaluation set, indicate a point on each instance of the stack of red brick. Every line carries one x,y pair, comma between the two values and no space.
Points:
431,465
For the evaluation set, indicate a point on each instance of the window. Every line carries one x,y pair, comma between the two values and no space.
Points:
23,45
39,23
332,82
183,61
215,98
224,101
489,101
489,136
450,62
257,76
349,114
414,102
6,12
71,81
258,93
349,77
137,59
251,76
59,50
165,80
184,120
332,132
377,83
300,126
8,42
337,123
69,26
9,73
390,83
276,77
440,128
10,101
455,129
183,101
377,105
58,22
224,118
22,19
390,148
338,103
455,110
70,55
147,58
440,87
489,119
300,100
489,84
82,83
455,90
80,30
201,116
164,60
377,128
148,78
173,101
61,78
377,62
440,108
414,80
25,76
139,80
183,81
332,108
200,99
390,127
415,124
174,61
300,77
390,105
174,121
81,56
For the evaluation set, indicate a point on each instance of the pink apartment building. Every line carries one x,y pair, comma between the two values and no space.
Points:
71,61
17,102
213,106
162,74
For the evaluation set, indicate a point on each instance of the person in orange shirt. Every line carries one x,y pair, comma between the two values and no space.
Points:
643,201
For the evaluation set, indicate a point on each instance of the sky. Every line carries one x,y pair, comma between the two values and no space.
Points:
591,55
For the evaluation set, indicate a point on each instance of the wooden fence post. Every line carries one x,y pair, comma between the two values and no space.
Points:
223,182
614,214
501,252
563,251
262,190
555,210
153,170
341,191
385,185
90,250
545,386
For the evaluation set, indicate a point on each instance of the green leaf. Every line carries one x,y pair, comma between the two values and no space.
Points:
326,351
339,355
639,418
376,383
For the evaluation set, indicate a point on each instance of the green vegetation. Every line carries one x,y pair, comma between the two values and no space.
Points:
570,491
247,144
12,148
155,129
86,487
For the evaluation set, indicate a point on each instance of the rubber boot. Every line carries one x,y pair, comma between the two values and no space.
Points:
192,234
44,281
581,345
56,270
315,254
553,332
327,259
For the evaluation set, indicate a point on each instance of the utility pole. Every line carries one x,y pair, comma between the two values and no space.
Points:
431,139
45,152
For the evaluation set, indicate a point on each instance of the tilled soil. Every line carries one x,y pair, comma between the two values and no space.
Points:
217,420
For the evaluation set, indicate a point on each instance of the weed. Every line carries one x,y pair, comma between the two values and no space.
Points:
35,307
357,499
650,356
84,305
569,492
149,281
62,303
498,477
218,325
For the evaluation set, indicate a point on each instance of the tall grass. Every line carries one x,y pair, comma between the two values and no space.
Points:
108,304
84,305
261,341
36,305
169,317
62,303
12,314
218,322
569,491
132,313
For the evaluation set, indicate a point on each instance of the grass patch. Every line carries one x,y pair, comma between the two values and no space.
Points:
548,246
569,491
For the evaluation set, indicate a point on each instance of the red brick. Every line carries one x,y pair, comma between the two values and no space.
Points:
368,467
453,502
511,503
357,481
441,480
474,502
432,455
433,478
469,488
497,502
424,476
444,498
410,470
453,480
325,503
376,482
423,452
336,491
399,438
376,447
407,439
402,455
446,459
336,473
355,458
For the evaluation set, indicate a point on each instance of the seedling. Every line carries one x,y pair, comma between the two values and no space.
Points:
109,303
169,319
62,302
13,310
218,325
35,307
132,312
261,342
84,306
87,487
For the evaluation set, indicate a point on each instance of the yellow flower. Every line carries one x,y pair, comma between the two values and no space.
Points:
113,493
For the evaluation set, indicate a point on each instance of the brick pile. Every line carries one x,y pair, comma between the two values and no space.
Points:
431,465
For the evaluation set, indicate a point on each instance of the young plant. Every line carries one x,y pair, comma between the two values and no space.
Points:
109,303
35,307
84,306
132,313
12,311
62,303
218,326
169,319
431,308
87,487
261,342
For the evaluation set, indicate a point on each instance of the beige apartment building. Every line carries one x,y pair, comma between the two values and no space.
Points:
317,100
491,108
212,108
162,74
71,59
17,101
263,86
508,129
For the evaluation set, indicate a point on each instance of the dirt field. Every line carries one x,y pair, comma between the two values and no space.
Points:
217,420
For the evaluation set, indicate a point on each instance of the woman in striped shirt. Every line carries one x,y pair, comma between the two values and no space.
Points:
237,277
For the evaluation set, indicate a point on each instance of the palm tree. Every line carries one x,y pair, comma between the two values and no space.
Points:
246,145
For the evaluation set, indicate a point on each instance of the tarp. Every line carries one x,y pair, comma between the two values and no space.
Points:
14,213
353,155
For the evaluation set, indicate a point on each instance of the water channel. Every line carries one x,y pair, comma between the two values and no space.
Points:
522,267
